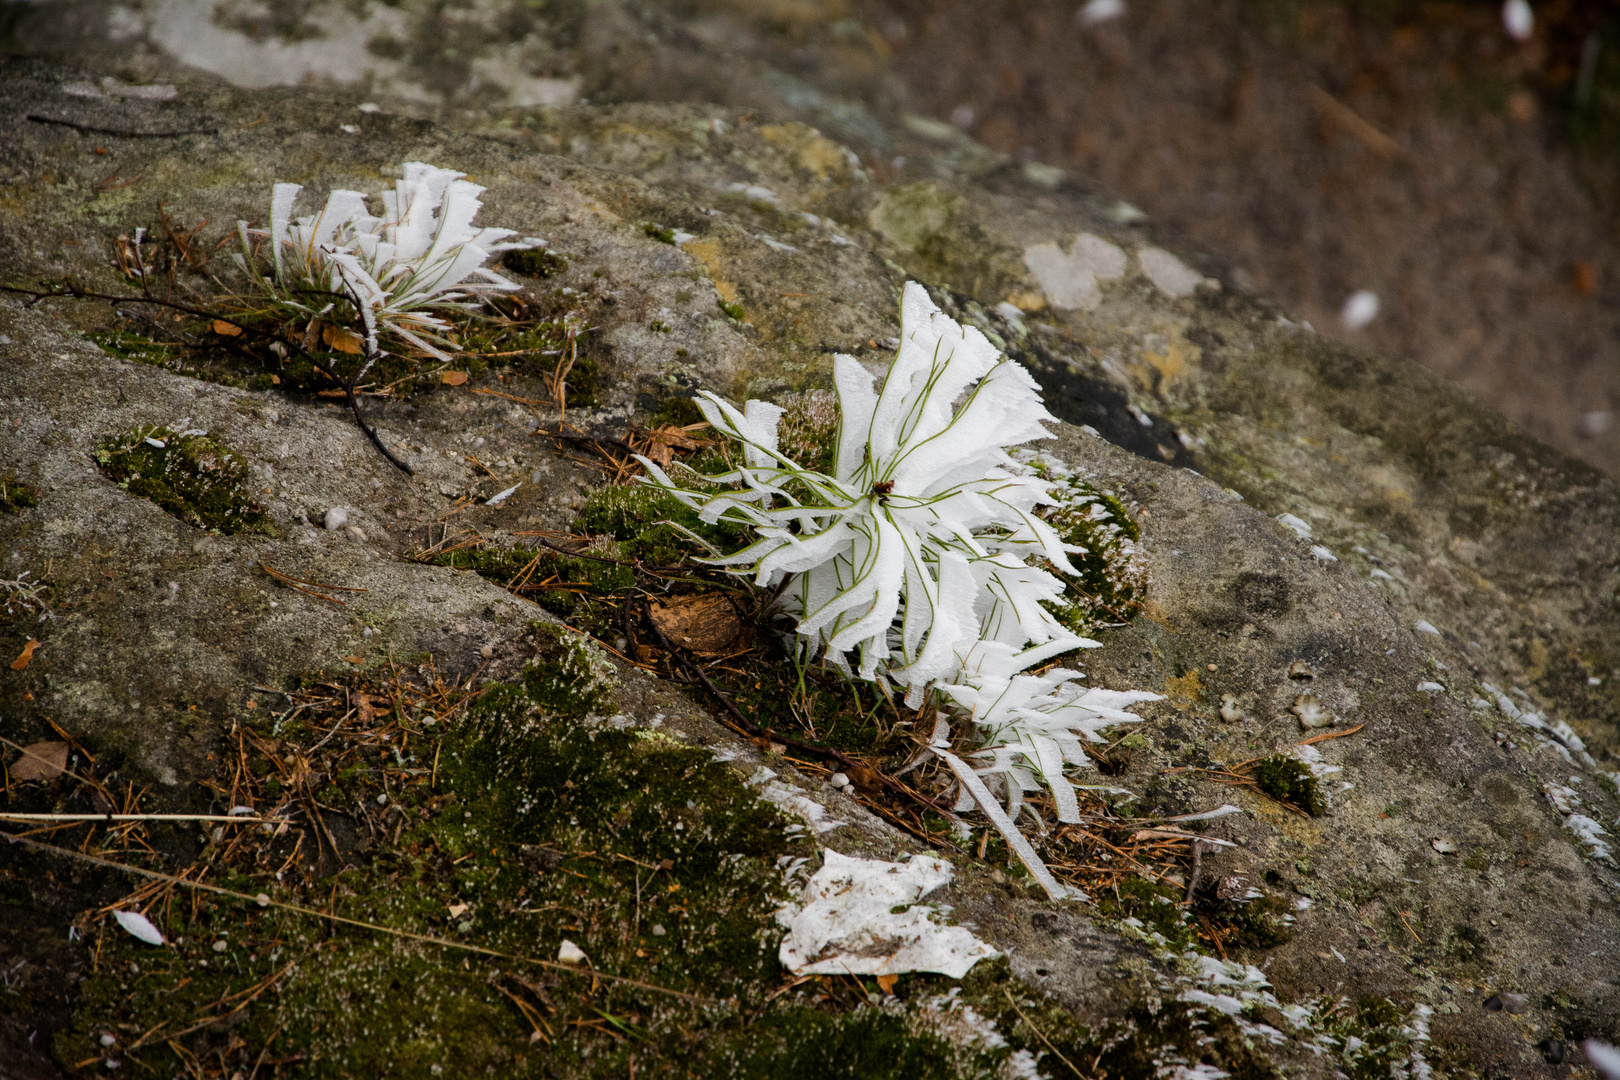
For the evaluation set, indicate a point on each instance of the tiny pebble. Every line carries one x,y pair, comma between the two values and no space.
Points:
336,518
221,945
658,930
838,780
1515,1003
263,900
108,1038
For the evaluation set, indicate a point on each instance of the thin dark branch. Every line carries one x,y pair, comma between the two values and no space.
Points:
75,125
73,292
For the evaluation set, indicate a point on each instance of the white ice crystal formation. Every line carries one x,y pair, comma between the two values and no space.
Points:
918,545
423,252
922,554
862,917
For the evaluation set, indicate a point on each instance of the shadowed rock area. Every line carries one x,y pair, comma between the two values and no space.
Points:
1443,593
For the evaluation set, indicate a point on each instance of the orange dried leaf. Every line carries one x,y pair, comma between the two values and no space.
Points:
41,761
886,983
25,656
225,329
452,378
343,339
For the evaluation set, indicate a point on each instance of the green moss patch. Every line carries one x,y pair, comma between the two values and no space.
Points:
16,496
535,262
1289,780
192,476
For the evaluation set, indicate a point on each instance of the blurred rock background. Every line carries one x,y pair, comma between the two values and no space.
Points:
1458,182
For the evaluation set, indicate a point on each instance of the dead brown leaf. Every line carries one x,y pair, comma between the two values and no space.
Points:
706,623
886,983
41,761
368,711
343,339
660,443
452,378
225,329
25,656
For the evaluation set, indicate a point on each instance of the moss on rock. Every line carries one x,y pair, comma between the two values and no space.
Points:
193,476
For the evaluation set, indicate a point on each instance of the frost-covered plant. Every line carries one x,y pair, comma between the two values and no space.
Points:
1033,725
423,253
922,552
916,545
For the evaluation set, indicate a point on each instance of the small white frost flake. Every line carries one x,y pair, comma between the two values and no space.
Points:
369,107
1010,312
1518,20
848,921
1169,274
349,129
1360,309
1424,626
1589,832
1432,687
502,496
159,443
682,237
755,193
1323,553
1381,575
811,811
1604,1058
1445,845
1300,528
570,954
1200,1071
776,245
1097,12
138,926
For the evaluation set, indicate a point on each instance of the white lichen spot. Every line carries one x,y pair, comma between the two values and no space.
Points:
1169,274
1070,280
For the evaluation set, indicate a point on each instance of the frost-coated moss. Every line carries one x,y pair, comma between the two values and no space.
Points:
195,477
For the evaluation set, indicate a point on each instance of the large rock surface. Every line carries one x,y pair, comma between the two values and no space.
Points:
1449,550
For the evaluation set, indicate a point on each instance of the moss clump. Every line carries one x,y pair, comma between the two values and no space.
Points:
1111,583
733,310
677,411
535,262
1289,780
571,677
661,233
16,496
652,526
1155,905
1374,1044
193,477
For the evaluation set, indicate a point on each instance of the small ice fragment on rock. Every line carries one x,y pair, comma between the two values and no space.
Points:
1424,626
1381,575
1604,1058
1432,687
159,443
336,518
1323,553
1096,12
139,926
369,107
1518,20
1445,845
1300,528
861,917
570,954
1359,310
500,497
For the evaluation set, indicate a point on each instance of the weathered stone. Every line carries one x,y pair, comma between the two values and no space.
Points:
161,631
